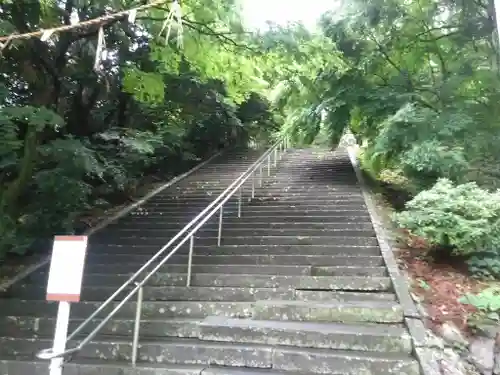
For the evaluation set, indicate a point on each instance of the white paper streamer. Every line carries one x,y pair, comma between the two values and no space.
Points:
175,15
132,15
101,44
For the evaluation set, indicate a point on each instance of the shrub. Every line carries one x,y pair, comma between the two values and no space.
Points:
463,217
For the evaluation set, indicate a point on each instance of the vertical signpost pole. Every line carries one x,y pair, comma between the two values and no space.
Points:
64,286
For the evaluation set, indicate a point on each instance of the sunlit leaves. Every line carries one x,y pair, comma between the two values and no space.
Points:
145,87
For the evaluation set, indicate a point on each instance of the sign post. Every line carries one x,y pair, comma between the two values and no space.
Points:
64,286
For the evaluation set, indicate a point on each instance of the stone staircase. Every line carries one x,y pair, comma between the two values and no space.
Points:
299,285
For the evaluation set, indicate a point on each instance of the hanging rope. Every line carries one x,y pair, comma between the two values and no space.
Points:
46,33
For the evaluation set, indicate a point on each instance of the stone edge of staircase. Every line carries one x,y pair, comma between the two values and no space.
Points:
107,220
422,343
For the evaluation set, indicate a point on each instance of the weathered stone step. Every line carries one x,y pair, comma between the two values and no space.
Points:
269,211
267,191
176,200
368,257
91,292
248,269
184,205
183,219
28,366
333,311
329,296
26,325
152,228
305,204
368,337
251,269
308,186
235,225
325,205
150,309
376,337
173,217
356,283
33,366
197,352
169,293
291,240
29,326
247,240
118,237
377,311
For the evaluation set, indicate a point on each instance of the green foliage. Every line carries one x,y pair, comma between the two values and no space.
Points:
487,302
485,265
418,85
464,217
73,140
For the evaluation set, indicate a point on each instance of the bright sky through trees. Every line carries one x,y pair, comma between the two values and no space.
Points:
258,12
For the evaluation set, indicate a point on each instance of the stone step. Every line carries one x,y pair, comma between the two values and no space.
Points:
34,291
120,237
183,219
352,311
244,241
328,296
367,257
143,229
316,311
154,209
270,211
368,337
150,309
162,293
300,187
306,204
375,337
29,326
233,224
19,366
266,192
33,366
296,198
290,240
238,356
248,269
239,280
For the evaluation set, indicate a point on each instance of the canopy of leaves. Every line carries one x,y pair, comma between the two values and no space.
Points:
416,81
73,139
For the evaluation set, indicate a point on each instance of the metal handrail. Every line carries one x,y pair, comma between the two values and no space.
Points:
216,206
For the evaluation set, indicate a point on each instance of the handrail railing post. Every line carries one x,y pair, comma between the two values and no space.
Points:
260,175
221,213
137,324
190,260
253,185
240,194
269,165
275,157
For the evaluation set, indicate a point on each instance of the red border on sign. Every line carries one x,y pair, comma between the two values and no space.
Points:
63,297
70,238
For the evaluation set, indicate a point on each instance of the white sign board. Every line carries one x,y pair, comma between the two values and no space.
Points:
66,268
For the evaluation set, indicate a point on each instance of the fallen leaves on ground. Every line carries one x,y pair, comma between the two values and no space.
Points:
439,287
